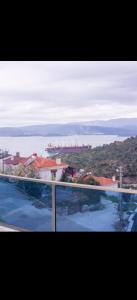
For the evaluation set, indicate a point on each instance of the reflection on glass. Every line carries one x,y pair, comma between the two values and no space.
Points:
25,204
28,205
93,210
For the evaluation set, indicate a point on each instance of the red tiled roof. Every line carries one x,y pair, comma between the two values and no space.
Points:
15,161
38,163
101,180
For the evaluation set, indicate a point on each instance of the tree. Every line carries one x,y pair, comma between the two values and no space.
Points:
90,181
24,171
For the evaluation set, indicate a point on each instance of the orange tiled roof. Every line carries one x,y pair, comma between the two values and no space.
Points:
41,162
101,180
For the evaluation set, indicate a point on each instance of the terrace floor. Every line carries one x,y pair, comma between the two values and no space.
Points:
7,229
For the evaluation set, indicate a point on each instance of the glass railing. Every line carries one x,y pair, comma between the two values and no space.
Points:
36,205
87,209
25,204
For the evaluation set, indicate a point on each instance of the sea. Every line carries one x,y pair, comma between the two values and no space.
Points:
36,144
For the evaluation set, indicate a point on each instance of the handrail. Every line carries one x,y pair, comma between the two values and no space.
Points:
74,185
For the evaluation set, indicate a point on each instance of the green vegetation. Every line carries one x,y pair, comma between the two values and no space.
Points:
90,180
104,160
23,171
65,178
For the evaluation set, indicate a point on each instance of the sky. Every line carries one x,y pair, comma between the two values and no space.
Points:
66,91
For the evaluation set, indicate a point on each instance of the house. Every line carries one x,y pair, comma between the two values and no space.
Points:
107,182
103,181
45,168
12,163
3,156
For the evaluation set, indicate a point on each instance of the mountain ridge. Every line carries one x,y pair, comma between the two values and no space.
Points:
120,126
118,122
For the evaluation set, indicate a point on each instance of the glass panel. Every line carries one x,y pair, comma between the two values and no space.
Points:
25,204
28,205
128,211
80,209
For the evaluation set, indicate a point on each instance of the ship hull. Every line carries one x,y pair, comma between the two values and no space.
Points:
65,150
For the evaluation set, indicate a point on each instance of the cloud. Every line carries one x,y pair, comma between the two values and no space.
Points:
61,92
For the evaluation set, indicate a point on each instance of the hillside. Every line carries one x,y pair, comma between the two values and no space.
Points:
115,123
66,129
104,160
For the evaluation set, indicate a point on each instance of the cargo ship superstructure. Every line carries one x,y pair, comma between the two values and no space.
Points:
53,150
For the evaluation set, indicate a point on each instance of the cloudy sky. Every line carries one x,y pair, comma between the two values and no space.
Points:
62,92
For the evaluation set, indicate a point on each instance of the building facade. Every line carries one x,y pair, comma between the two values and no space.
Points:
40,167
44,168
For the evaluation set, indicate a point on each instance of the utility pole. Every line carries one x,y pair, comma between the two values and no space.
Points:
120,175
2,161
120,195
2,166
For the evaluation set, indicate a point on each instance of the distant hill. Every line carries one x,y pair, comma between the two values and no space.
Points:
116,123
75,129
104,160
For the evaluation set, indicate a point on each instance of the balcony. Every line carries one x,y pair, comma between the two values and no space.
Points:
34,205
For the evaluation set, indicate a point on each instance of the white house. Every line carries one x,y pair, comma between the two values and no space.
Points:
44,168
3,158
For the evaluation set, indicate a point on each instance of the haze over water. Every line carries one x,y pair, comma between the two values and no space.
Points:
28,145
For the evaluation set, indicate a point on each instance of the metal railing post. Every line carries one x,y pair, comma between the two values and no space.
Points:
53,207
